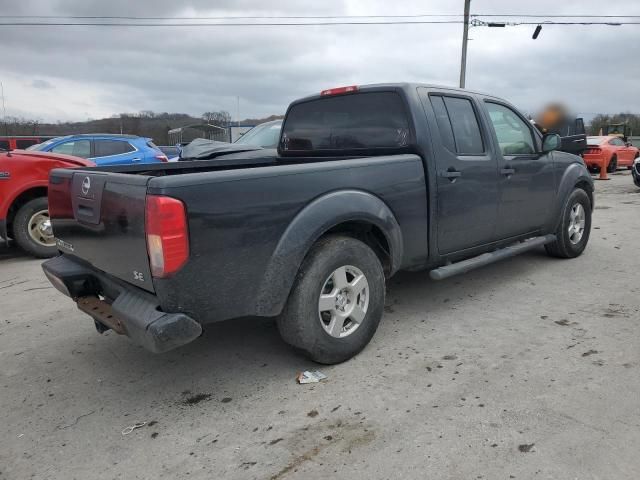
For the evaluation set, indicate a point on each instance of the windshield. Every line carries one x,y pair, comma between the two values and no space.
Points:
594,140
265,135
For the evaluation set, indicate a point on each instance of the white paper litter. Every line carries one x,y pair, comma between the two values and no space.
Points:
310,377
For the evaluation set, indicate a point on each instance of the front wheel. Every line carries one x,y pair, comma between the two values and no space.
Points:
573,231
32,229
337,301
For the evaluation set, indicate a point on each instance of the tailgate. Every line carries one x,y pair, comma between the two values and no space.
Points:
99,217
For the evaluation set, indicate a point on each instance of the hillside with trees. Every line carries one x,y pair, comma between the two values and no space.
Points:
145,123
601,120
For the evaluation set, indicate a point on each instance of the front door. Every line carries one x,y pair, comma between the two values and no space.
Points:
527,183
466,173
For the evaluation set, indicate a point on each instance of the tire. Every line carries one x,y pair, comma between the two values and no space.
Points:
27,233
317,333
569,244
613,165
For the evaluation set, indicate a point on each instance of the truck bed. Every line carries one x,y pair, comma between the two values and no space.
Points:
238,214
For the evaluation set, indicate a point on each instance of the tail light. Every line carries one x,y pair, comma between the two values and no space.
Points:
339,90
162,158
167,235
593,150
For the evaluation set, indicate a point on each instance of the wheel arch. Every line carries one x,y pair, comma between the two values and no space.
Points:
356,213
23,197
575,176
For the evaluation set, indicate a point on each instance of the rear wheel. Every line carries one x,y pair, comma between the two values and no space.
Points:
32,229
337,301
613,165
573,231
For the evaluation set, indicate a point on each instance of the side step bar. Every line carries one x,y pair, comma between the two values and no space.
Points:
491,257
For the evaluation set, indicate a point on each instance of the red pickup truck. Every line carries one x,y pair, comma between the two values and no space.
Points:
24,182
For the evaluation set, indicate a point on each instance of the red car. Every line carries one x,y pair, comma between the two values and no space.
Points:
24,215
21,141
610,151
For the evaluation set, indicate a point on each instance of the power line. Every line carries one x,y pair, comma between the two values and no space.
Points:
310,17
216,24
261,17
476,21
529,15
480,23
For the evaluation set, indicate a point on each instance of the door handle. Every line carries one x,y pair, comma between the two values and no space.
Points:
508,171
579,140
136,159
451,174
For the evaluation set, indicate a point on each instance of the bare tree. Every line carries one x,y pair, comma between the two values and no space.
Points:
221,118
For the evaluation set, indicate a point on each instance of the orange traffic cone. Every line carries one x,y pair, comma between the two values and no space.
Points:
603,171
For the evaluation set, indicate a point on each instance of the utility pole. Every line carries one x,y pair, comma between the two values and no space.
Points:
237,116
465,39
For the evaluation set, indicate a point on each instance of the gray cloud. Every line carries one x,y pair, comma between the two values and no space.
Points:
192,70
41,84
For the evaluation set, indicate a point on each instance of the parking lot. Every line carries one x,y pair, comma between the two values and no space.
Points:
529,368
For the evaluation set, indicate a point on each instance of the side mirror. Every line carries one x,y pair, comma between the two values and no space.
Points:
550,142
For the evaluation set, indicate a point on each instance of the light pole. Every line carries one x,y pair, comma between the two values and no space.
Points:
465,40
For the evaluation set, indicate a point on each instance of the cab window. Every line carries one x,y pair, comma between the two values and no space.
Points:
346,124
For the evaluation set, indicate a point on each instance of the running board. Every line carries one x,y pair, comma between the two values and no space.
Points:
491,257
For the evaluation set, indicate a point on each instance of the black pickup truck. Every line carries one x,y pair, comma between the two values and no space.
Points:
367,181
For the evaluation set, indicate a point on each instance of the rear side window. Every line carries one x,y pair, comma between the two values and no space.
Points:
357,122
444,125
106,148
466,130
458,125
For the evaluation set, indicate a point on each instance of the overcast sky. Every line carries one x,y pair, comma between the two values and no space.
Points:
75,73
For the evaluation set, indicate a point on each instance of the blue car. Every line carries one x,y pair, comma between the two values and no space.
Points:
105,149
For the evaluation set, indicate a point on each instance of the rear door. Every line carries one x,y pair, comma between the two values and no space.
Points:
527,181
99,217
467,172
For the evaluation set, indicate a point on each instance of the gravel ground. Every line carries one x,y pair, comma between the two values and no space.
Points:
529,368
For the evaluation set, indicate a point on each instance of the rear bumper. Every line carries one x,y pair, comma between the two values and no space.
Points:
592,160
123,308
